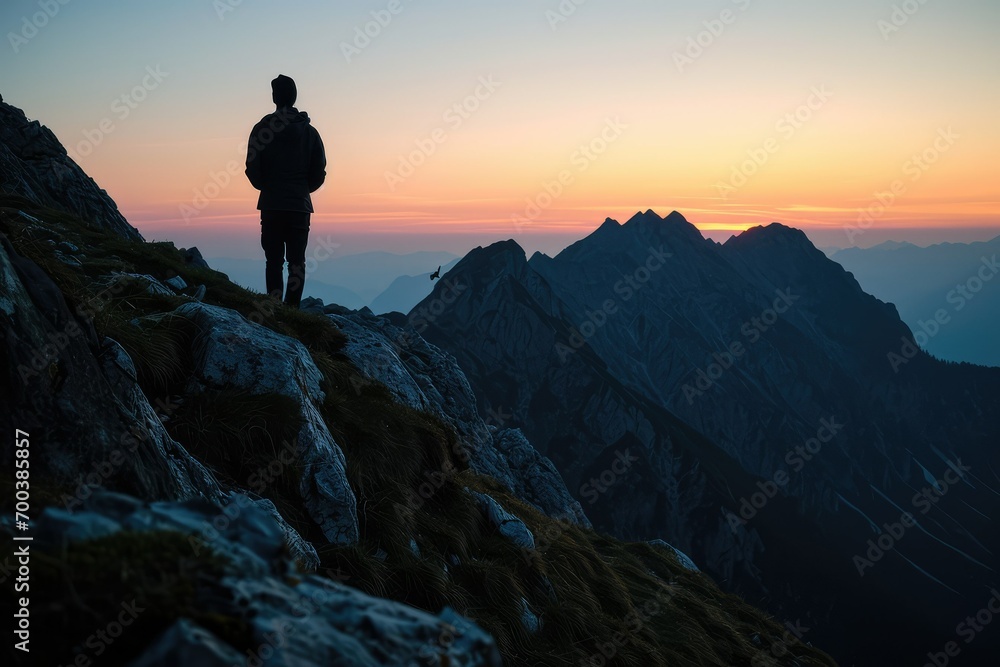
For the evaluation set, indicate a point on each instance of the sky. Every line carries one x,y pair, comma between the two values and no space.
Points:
454,123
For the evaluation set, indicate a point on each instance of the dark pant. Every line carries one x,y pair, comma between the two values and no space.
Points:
284,235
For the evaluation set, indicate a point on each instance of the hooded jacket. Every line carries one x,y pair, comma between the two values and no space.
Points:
285,161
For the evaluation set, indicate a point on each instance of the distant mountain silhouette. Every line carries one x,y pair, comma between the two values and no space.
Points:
715,365
406,291
921,282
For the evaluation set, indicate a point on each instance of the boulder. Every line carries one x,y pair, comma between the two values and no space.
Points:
293,619
509,525
682,557
233,353
185,643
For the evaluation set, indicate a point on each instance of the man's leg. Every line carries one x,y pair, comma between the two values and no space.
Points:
274,254
296,239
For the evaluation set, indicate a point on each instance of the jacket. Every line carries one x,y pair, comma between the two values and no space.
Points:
285,161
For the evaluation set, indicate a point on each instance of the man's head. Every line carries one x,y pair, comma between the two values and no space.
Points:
283,91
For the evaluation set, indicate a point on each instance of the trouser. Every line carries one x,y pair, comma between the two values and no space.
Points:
284,235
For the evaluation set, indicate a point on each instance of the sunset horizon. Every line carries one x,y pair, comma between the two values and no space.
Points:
591,115
467,333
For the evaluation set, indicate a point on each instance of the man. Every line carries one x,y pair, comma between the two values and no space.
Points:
286,162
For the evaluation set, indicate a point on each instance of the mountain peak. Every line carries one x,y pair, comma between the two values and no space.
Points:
672,224
772,234
609,223
493,260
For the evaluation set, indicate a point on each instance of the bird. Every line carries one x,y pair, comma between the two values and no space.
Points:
436,274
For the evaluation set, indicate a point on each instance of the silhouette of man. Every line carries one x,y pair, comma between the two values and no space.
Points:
286,162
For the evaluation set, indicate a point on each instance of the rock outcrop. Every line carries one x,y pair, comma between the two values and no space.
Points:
79,397
306,620
232,352
34,165
422,376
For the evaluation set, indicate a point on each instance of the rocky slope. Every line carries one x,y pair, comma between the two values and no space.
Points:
216,479
779,417
34,165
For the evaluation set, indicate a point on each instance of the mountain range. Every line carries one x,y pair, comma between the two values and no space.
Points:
946,293
780,424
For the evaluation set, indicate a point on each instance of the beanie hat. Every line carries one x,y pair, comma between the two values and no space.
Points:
283,91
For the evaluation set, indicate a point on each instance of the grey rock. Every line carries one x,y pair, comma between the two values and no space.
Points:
69,260
192,257
342,626
60,527
188,644
34,165
529,619
682,557
90,423
232,352
303,553
153,286
534,478
509,525
305,620
312,304
336,309
187,474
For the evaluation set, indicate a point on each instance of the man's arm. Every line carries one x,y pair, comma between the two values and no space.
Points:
317,163
254,172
